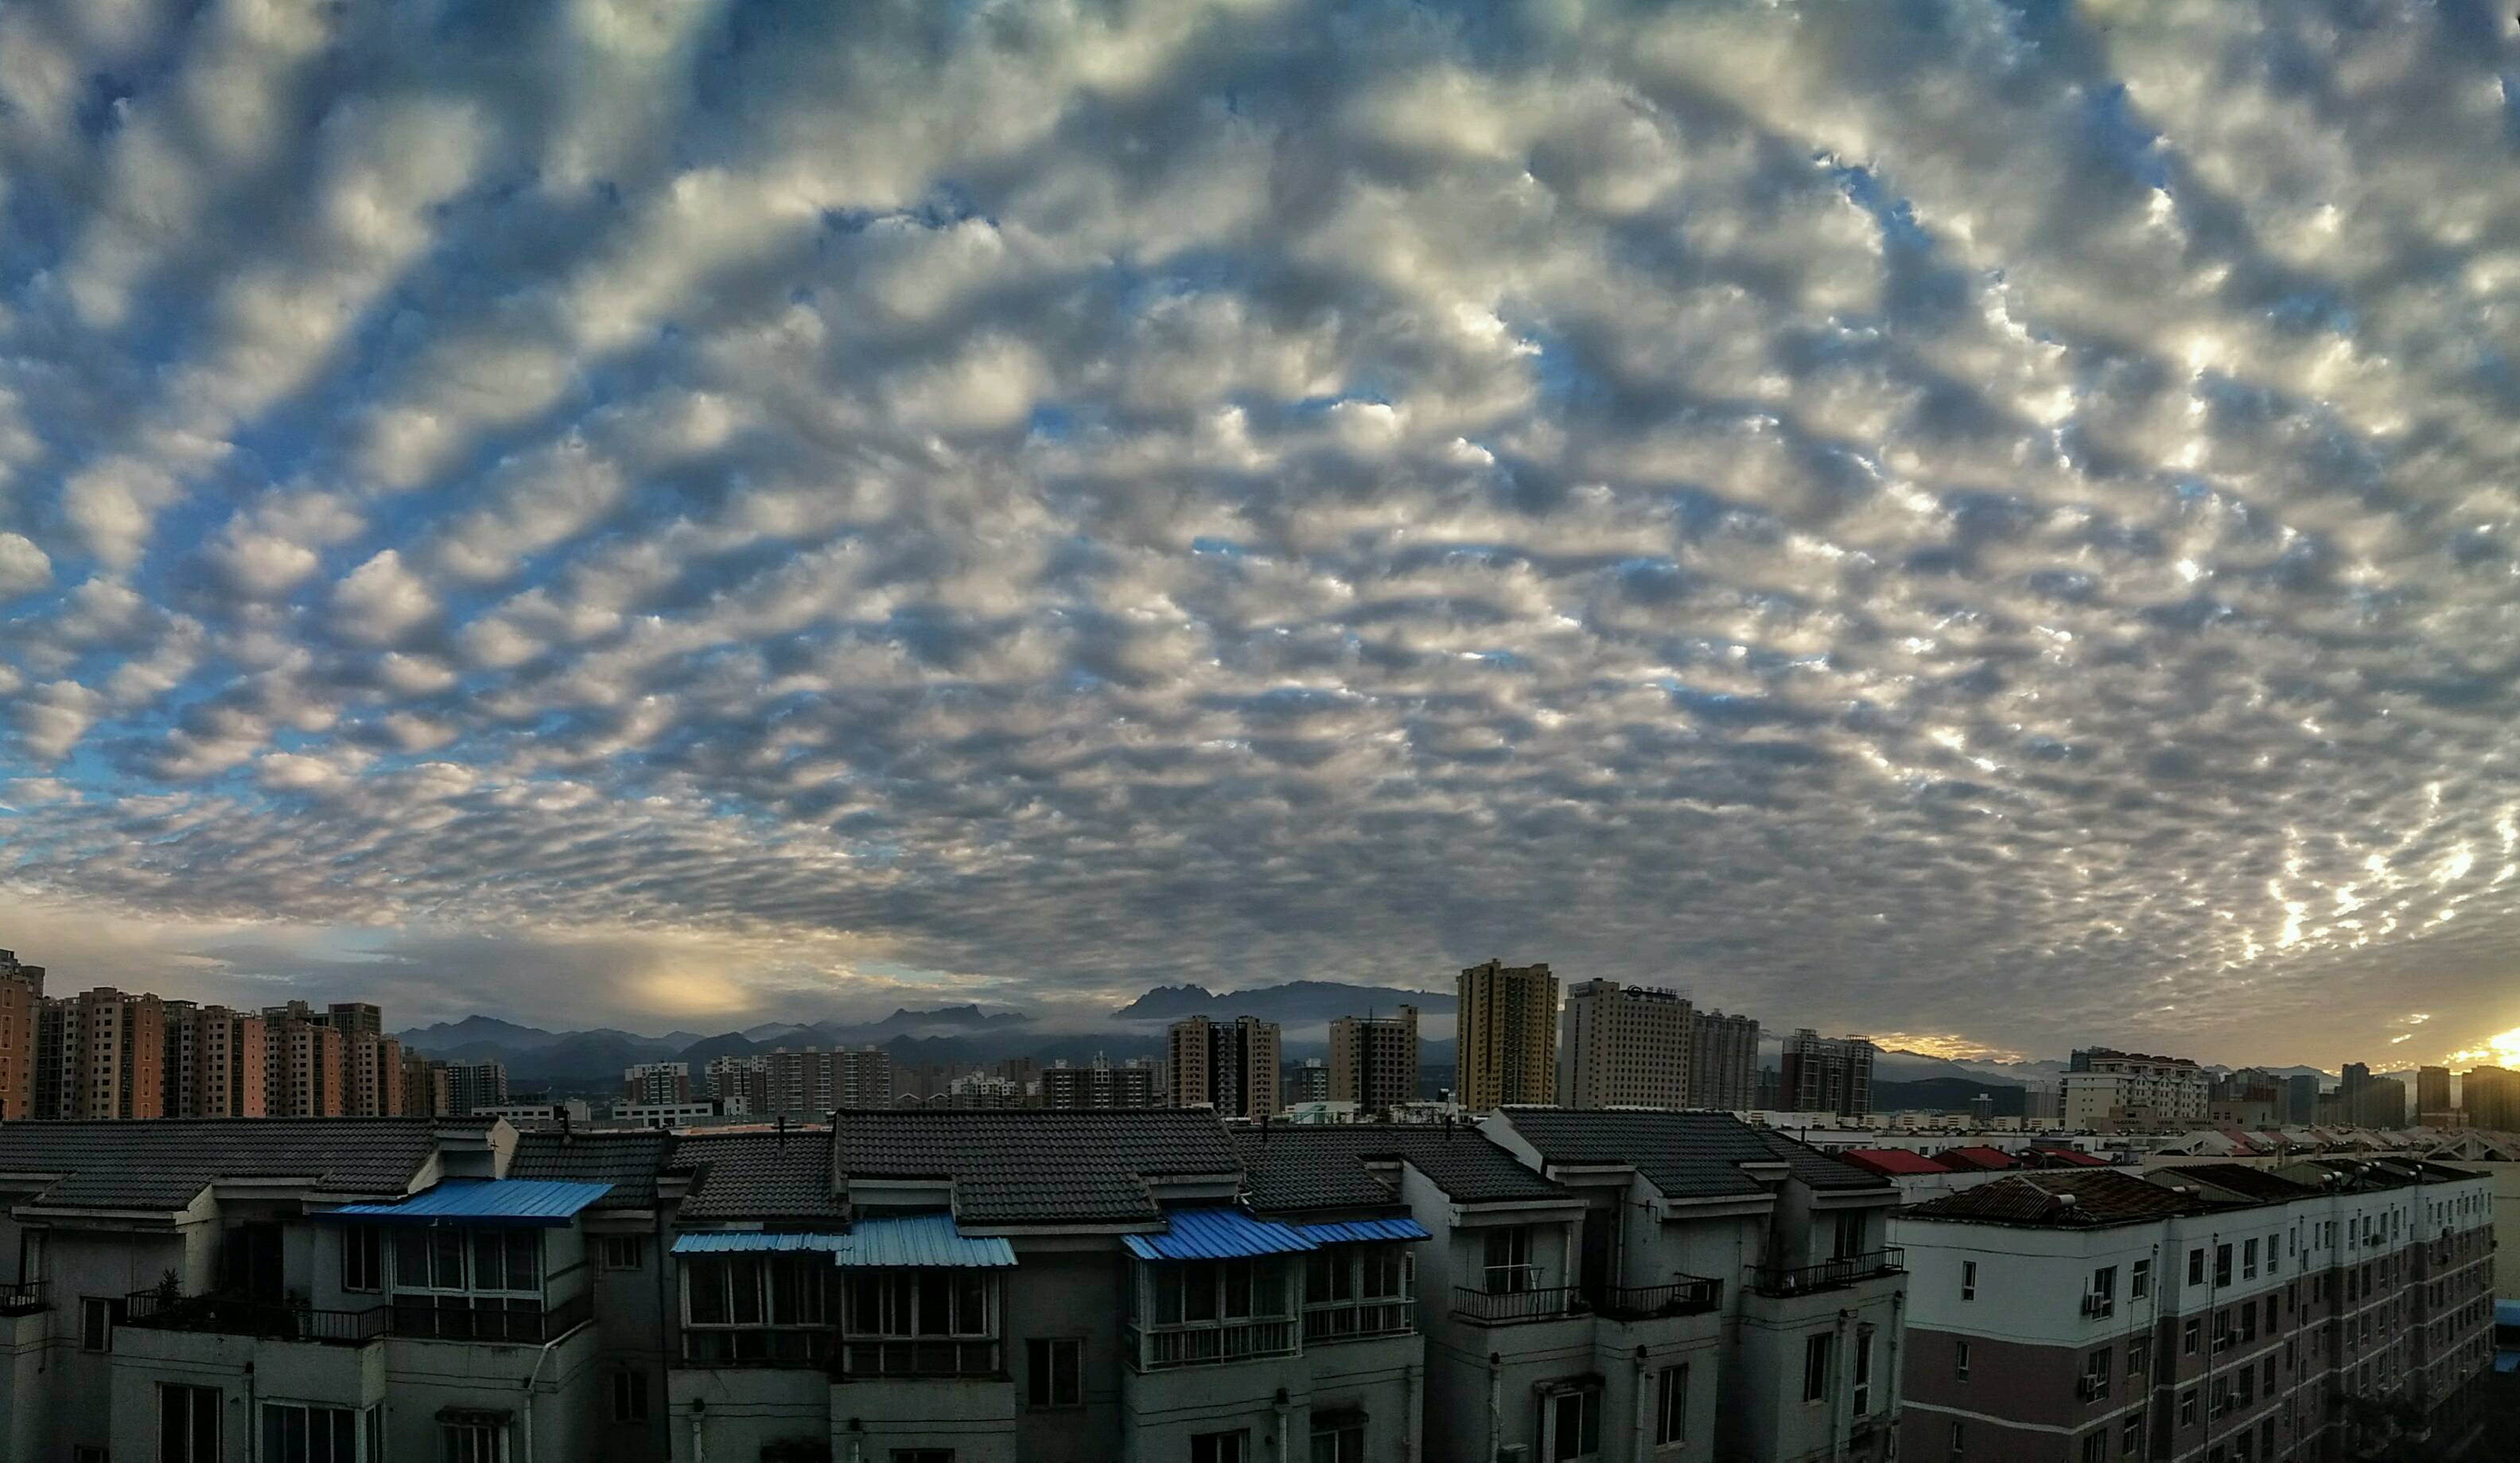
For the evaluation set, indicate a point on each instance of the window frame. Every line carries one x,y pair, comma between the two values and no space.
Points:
367,1426
196,1399
1819,1359
1041,1354
1671,1405
363,1260
631,1401
1586,1399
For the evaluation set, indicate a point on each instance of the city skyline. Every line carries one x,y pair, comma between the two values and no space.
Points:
1986,525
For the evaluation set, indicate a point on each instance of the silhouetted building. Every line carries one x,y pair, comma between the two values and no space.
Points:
1827,1074
471,1086
1507,1051
1232,1067
2432,1096
1374,1060
1723,1061
21,987
2490,1096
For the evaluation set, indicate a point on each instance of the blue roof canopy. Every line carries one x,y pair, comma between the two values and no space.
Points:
756,1242
1362,1231
548,1203
1216,1234
922,1241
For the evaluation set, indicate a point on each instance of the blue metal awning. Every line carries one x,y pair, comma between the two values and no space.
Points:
755,1242
546,1202
1216,1234
922,1241
1362,1231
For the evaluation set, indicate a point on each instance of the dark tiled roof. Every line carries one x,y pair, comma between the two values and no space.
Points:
2236,1179
1300,1168
775,1177
1684,1154
162,1164
1889,1161
1021,1165
627,1161
2064,1199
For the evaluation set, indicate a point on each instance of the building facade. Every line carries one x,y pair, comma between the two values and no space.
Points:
1623,1047
2490,1097
1098,1083
1506,1046
471,1086
1825,1074
1723,1061
2109,1089
21,992
656,1082
1228,1065
2433,1105
1374,1060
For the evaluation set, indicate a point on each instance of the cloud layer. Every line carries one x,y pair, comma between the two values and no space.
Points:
1966,518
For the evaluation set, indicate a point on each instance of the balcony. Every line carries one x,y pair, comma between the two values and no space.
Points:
1685,1294
487,1318
239,1315
1158,1347
866,1358
1508,1307
1830,1275
756,1346
25,1298
1357,1320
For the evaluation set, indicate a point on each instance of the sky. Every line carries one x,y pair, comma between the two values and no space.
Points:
1993,522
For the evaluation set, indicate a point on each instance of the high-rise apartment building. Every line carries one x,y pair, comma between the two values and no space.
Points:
1625,1046
308,1072
474,1085
657,1082
1374,1060
2301,1099
733,1079
372,1064
1825,1074
1230,1066
22,987
108,1054
2107,1087
2433,1106
1098,1084
1506,1052
1723,1061
1308,1080
424,1087
814,1082
2490,1095
355,1018
215,1062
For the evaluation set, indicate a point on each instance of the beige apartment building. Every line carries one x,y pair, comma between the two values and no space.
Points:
101,1054
1230,1066
21,990
1508,1047
1625,1046
217,1063
1723,1061
1374,1060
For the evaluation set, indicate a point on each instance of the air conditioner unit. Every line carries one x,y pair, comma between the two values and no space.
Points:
2092,1388
2100,1305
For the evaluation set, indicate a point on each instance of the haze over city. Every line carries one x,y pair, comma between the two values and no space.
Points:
1992,525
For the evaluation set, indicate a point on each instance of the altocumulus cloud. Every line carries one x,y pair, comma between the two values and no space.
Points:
1971,519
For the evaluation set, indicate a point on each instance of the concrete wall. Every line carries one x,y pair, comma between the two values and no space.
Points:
1069,1288
736,1409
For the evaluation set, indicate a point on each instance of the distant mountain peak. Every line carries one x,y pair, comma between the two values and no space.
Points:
1294,1003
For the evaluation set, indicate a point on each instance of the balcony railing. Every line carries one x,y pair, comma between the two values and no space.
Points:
239,1315
487,1318
1355,1321
24,1298
1159,1347
1685,1294
756,1346
1506,1308
865,1357
1830,1275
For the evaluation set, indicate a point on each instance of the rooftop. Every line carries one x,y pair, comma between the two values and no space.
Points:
1314,1167
164,1163
627,1161
769,1178
1030,1166
1891,1162
2064,1199
1684,1154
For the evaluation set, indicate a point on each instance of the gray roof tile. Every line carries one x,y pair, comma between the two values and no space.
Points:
627,1161
162,1164
1036,1166
1684,1154
1299,1167
775,1177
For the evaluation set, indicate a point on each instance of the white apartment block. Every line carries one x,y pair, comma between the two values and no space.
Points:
1623,1047
2109,1089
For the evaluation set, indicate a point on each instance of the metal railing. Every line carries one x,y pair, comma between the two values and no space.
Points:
866,1356
1504,1308
1354,1320
1685,1294
487,1318
244,1316
756,1346
24,1298
1830,1275
1157,1347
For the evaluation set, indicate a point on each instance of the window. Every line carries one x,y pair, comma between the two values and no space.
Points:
2104,1285
1219,1447
1570,1426
1959,1442
296,1432
2270,1314
1053,1371
2139,1280
629,1395
1671,1405
1818,1350
621,1251
1969,1280
1850,1236
1960,1360
2131,1436
2139,1357
1863,1371
2187,1408
2196,1267
2249,1260
469,1261
1339,1442
472,1441
2221,1265
2095,1375
363,1257
188,1424
96,1324
2096,1448
1508,1260
760,1307
2188,1335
